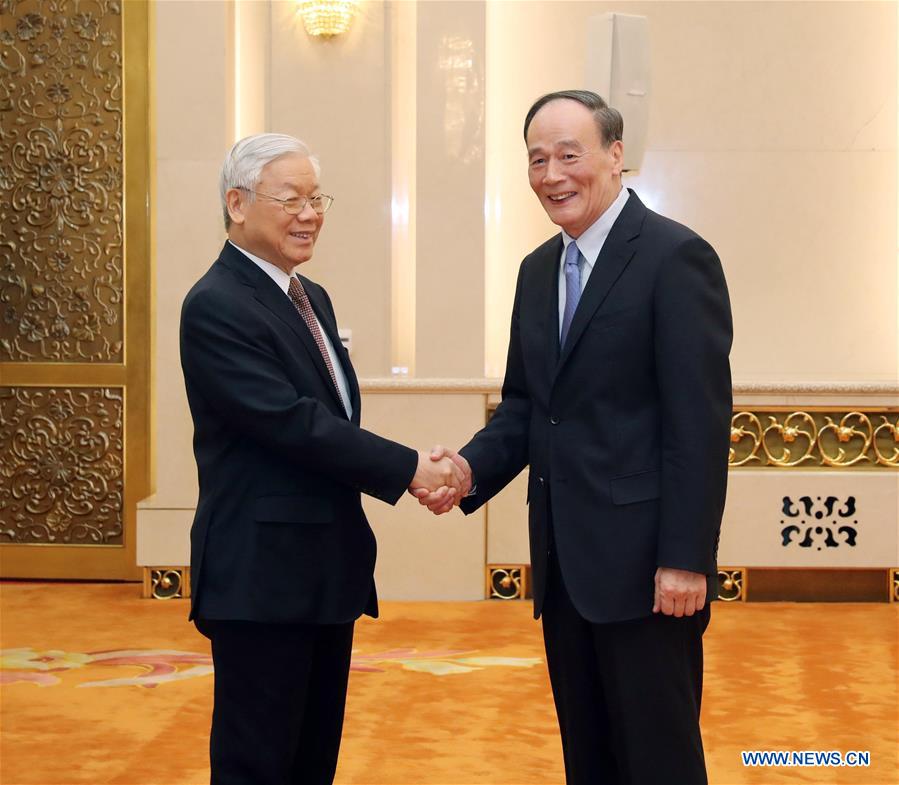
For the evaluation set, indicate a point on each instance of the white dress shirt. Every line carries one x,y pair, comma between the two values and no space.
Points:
283,280
590,243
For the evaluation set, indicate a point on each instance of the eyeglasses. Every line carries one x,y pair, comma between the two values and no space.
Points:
296,204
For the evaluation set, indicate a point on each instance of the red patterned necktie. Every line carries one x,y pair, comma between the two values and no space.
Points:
300,300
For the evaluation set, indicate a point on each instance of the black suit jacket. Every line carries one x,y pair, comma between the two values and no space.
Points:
279,533
626,429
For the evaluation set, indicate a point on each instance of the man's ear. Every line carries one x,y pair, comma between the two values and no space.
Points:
617,151
234,199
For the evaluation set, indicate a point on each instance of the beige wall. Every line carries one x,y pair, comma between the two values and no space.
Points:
772,131
751,534
192,132
450,189
421,556
335,95
194,126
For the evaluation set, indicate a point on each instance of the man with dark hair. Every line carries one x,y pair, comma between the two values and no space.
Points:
618,395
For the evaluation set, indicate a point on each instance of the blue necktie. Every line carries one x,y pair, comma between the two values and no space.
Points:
572,287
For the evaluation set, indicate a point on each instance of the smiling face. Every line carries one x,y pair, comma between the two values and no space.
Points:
575,177
263,228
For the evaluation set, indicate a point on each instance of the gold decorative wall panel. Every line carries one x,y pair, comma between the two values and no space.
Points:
809,439
62,477
61,181
76,304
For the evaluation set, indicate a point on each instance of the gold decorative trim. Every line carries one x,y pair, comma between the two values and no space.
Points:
893,576
852,426
138,67
882,434
166,583
507,581
733,584
742,426
815,439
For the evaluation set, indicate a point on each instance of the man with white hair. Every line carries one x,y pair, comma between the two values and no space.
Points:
282,556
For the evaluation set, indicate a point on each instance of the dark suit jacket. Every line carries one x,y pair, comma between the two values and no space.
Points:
626,430
279,533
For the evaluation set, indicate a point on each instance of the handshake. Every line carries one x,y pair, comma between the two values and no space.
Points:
442,479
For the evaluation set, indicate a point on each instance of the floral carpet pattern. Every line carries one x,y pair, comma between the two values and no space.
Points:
46,668
440,693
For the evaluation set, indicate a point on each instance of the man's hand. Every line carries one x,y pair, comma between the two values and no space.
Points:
443,499
438,474
679,592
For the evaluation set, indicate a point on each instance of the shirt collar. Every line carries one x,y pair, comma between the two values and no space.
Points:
274,272
591,241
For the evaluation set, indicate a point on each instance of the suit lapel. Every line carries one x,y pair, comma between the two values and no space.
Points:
548,282
616,253
267,292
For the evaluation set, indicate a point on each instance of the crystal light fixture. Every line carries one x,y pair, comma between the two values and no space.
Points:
327,18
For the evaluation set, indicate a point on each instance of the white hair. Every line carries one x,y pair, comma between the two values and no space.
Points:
247,158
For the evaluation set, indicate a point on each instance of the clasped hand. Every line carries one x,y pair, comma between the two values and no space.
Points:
442,479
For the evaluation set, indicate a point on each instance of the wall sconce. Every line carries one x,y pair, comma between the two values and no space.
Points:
327,18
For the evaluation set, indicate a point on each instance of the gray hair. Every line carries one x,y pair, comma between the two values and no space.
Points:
247,158
609,122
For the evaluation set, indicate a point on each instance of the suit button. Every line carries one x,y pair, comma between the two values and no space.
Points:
554,420
540,480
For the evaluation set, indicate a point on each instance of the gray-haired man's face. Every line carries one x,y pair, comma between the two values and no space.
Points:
262,226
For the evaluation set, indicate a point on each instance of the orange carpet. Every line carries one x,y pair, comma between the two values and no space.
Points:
100,686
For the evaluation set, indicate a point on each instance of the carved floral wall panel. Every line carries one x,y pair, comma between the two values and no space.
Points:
61,194
62,473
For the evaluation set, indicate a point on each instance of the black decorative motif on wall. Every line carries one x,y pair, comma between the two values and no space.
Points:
819,522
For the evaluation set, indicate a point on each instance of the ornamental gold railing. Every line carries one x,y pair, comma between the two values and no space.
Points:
815,439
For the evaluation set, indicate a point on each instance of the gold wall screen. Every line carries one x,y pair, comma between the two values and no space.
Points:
75,285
